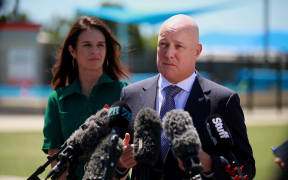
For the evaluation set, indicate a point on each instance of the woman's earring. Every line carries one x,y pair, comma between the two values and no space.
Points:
74,62
106,62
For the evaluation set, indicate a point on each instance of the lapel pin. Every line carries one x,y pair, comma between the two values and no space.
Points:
200,99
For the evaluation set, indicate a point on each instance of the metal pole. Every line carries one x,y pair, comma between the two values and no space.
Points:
16,11
279,83
266,32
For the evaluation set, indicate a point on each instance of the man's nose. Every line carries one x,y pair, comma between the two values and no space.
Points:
170,53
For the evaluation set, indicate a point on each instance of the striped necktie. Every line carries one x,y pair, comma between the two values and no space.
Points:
168,105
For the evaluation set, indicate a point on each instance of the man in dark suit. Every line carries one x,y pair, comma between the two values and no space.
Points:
177,52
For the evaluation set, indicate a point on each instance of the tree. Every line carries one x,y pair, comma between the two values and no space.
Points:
58,29
11,15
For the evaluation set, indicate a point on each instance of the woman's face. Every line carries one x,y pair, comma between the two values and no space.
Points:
90,50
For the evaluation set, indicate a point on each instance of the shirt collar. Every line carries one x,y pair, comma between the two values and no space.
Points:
105,79
75,87
185,85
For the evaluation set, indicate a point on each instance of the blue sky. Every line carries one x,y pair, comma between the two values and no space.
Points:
246,16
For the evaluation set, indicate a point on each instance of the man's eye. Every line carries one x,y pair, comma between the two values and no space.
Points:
163,45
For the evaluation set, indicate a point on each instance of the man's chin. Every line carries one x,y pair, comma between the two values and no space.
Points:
171,77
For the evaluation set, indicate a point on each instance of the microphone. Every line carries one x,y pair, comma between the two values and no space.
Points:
180,131
222,140
85,139
147,137
103,161
219,133
81,142
119,118
88,136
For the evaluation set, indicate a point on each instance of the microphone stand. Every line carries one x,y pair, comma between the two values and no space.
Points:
66,157
72,170
110,163
193,168
42,168
145,173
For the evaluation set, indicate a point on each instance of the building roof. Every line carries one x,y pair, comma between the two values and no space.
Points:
18,26
132,16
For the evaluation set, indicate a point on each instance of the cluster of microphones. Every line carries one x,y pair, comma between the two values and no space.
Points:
100,137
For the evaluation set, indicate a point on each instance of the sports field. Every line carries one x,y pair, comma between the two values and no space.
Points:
20,152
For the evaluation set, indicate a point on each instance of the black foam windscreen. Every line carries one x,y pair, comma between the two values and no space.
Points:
88,136
104,159
147,134
180,131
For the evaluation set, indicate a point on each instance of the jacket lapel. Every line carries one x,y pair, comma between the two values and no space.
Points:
198,101
149,93
198,106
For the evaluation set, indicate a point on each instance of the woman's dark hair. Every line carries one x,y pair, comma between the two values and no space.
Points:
65,70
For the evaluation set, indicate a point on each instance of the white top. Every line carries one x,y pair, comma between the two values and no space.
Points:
181,98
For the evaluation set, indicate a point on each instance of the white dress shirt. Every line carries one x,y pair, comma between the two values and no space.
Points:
181,98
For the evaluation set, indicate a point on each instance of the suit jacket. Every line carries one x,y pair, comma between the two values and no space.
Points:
206,98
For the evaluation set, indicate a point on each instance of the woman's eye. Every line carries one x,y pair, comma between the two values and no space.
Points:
87,45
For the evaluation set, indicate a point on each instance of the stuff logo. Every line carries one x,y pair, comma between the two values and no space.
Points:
219,126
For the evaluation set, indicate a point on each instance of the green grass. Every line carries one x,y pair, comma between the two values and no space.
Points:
20,152
262,138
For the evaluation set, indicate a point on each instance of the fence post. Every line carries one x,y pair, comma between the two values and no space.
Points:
250,89
279,83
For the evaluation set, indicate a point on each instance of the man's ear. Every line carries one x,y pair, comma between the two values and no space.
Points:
198,49
72,52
